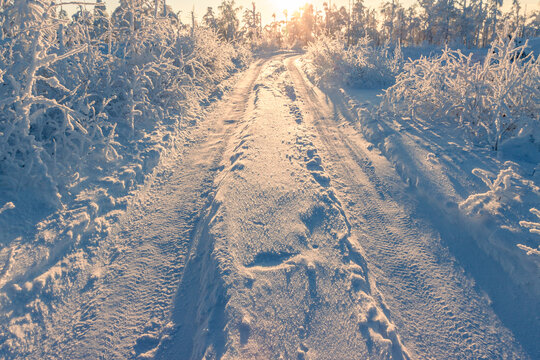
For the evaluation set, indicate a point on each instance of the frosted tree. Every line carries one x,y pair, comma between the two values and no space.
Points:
465,22
30,94
388,11
252,23
427,19
327,18
101,19
274,31
490,28
308,23
209,19
228,22
446,14
438,16
358,21
413,28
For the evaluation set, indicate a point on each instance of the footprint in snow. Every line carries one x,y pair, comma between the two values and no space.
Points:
236,156
238,166
321,178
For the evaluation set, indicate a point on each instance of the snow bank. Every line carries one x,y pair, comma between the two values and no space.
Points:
437,162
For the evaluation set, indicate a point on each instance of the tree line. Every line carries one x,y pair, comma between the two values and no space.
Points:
469,23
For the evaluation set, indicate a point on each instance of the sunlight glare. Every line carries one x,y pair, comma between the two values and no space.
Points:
289,5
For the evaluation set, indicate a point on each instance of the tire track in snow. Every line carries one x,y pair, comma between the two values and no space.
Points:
124,311
438,311
277,272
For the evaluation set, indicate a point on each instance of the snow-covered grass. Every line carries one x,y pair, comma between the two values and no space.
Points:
363,65
490,102
494,100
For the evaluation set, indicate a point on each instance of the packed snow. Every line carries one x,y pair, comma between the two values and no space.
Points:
339,184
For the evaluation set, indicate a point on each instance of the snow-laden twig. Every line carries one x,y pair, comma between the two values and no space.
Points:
7,206
529,250
534,228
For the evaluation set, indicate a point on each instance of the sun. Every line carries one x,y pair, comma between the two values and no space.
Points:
287,5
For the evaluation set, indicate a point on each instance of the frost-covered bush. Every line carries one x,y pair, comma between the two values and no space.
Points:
505,189
362,65
495,99
509,195
34,104
73,97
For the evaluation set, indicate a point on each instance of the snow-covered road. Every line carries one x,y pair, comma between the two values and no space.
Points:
278,232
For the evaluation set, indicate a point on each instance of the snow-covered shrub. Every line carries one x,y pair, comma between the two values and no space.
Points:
72,97
509,197
34,103
495,99
504,189
362,65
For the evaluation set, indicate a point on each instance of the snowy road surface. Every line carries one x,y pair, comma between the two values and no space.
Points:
277,233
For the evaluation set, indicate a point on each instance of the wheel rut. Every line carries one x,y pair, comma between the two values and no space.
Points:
125,311
437,309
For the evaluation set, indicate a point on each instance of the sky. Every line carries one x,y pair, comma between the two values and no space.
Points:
268,7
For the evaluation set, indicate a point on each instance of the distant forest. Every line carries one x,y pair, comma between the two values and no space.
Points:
469,23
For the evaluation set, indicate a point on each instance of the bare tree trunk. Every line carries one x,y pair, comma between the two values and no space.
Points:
193,21
110,36
349,27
